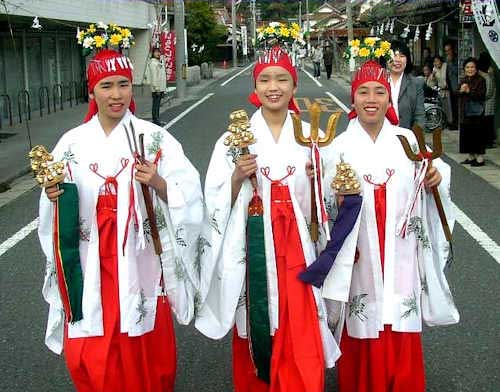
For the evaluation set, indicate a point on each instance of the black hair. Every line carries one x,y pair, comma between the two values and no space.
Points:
470,60
154,50
438,57
401,47
484,62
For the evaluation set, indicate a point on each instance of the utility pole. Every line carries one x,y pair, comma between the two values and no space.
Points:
307,26
233,31
350,33
300,14
254,26
180,61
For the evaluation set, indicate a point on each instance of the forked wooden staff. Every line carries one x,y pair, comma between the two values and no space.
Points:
310,141
437,151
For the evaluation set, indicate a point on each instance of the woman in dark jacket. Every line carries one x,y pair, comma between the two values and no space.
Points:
407,91
472,93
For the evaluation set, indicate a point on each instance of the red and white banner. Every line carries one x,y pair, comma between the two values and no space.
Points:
167,48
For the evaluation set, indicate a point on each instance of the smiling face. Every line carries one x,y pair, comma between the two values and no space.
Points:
371,101
112,96
470,69
275,88
398,63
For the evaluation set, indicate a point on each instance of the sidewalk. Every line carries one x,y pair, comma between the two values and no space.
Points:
14,144
450,139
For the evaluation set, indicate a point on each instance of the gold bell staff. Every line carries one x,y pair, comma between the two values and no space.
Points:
437,151
310,141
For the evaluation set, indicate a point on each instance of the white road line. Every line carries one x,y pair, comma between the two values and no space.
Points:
338,102
19,236
475,232
312,77
235,76
172,122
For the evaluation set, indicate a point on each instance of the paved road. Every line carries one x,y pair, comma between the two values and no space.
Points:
458,358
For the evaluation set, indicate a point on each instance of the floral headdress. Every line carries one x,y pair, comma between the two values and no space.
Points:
370,48
102,36
277,33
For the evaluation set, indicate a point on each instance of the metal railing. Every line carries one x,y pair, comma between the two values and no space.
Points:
6,98
44,90
24,96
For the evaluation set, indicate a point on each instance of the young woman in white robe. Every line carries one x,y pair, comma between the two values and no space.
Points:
389,273
302,344
125,340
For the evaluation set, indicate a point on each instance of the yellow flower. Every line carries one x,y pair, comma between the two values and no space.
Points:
370,41
295,34
260,29
125,32
284,32
80,36
99,41
270,30
91,28
295,26
364,52
355,42
385,46
379,52
115,39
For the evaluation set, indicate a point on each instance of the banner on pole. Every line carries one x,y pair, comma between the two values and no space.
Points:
168,51
244,40
488,25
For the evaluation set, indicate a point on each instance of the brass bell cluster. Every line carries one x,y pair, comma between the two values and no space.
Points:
240,136
345,181
46,173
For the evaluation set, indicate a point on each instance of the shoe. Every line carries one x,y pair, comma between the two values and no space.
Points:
468,162
477,164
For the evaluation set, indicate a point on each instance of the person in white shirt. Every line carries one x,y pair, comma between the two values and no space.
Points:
156,76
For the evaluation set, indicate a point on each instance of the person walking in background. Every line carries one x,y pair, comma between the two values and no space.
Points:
429,81
486,71
328,59
427,58
452,83
440,80
407,91
317,56
472,93
156,77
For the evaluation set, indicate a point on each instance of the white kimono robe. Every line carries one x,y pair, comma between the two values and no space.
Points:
139,270
225,303
413,285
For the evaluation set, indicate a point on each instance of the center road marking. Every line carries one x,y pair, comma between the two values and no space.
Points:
338,102
173,121
235,76
313,78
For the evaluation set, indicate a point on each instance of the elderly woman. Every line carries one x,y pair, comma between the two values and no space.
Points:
472,93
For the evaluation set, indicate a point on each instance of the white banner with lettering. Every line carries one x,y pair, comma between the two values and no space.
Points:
244,40
488,25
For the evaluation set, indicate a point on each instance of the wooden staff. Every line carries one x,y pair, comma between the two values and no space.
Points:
437,151
314,138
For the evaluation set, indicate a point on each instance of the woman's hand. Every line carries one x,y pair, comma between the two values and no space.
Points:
147,174
464,88
53,192
432,178
246,165
309,169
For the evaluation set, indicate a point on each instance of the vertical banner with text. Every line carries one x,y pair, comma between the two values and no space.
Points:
488,25
244,40
168,51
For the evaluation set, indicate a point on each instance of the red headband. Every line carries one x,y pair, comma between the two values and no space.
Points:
106,63
371,71
274,57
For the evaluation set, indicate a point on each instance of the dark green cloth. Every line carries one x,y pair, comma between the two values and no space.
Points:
257,298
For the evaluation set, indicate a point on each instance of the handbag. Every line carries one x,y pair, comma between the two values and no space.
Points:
473,108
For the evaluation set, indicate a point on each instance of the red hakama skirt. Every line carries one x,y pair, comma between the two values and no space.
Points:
393,362
297,362
116,361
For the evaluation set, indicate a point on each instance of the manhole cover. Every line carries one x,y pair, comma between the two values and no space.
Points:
5,135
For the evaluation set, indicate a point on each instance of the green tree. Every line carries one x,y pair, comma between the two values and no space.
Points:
203,31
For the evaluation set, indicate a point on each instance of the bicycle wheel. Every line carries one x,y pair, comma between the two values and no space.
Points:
434,117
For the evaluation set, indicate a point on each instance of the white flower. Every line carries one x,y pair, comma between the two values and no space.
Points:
101,25
260,36
201,49
88,42
125,43
275,24
354,51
